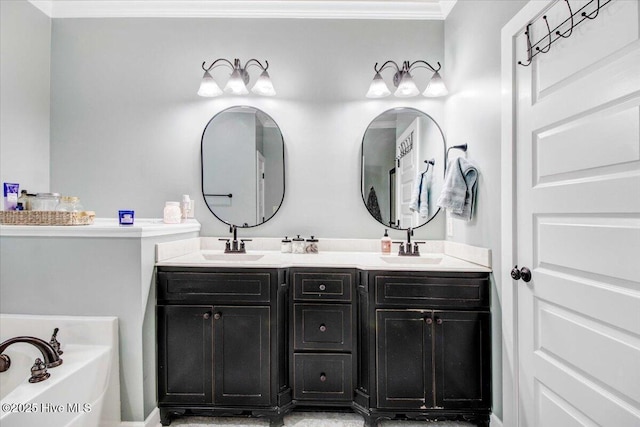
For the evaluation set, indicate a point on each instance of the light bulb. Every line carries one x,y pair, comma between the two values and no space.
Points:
378,88
208,86
236,85
435,87
263,85
407,87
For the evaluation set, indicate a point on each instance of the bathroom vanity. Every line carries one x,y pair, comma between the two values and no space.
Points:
265,333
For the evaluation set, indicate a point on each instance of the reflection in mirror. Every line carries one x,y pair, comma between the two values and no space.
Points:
403,153
242,166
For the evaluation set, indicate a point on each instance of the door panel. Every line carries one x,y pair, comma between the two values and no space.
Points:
404,358
185,337
242,355
577,222
462,359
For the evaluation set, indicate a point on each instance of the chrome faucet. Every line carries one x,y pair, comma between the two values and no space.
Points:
49,354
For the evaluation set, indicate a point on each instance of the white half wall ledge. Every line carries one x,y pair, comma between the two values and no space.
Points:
153,420
295,9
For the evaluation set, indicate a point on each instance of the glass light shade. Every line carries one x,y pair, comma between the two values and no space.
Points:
407,87
263,85
378,88
208,87
435,87
235,85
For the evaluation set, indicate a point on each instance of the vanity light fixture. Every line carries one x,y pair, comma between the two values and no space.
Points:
237,83
403,81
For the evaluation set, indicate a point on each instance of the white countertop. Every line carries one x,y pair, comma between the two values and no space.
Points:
103,227
436,256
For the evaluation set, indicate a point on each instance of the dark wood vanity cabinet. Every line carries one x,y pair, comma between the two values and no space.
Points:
261,342
322,336
218,342
429,343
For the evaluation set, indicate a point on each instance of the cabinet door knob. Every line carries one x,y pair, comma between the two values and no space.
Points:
322,287
438,321
323,328
428,320
217,316
323,377
206,316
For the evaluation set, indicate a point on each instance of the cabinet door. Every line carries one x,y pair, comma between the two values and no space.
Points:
404,359
242,356
462,359
185,338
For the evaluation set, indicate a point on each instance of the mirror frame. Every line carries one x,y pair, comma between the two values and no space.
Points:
284,177
444,154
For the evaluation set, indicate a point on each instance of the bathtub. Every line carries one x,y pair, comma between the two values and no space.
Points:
82,392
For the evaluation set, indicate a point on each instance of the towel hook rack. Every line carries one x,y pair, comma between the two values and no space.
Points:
462,147
553,35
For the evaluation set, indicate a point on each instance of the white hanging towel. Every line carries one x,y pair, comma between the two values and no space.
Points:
459,190
420,194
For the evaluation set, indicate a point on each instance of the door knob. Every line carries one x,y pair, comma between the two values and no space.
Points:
523,273
217,316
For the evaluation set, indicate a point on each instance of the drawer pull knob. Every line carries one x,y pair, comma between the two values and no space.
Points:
323,328
323,377
322,287
428,320
217,316
206,316
439,321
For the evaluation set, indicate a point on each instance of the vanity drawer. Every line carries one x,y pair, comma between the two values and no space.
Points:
323,377
322,327
321,285
437,289
218,286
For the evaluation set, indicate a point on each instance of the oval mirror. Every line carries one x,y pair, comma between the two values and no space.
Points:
242,166
403,156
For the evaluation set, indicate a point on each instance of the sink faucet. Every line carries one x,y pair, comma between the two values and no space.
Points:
49,354
405,247
235,246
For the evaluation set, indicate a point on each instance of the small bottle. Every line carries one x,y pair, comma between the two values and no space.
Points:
311,246
297,245
285,245
385,243
24,199
19,206
185,207
172,213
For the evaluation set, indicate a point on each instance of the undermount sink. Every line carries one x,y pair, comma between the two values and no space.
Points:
411,260
232,257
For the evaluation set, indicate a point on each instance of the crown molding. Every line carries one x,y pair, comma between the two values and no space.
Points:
305,9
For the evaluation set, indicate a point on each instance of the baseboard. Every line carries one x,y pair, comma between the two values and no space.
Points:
495,421
153,420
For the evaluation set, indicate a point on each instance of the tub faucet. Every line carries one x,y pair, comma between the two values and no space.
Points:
49,354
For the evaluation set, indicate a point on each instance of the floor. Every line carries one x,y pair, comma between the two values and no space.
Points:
306,419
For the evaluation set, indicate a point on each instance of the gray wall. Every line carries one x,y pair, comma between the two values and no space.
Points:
25,51
126,120
472,54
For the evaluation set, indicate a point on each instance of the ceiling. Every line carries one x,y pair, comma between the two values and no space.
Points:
310,9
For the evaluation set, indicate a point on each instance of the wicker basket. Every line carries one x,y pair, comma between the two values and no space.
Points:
46,218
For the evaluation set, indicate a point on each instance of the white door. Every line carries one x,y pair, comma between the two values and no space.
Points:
259,187
576,140
406,172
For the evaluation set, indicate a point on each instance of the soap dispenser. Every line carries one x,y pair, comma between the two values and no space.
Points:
385,243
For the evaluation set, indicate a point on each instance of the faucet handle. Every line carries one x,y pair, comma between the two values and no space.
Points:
55,343
400,248
416,249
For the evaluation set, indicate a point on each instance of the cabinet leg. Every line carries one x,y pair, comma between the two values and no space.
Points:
277,421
